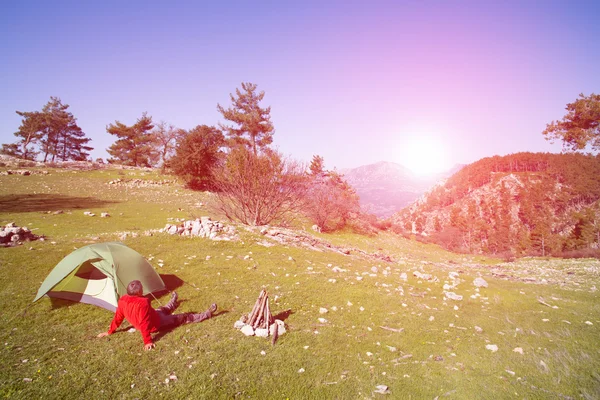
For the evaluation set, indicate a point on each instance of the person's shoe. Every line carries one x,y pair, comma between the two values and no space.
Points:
212,308
174,297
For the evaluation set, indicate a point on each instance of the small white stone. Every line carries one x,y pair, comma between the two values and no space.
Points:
323,310
301,370
369,354
263,353
492,347
453,296
381,389
431,318
478,329
480,282
362,308
589,322
238,324
349,304
247,330
323,320
518,350
261,332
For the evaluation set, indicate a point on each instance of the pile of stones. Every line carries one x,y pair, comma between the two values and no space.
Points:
201,227
139,182
12,235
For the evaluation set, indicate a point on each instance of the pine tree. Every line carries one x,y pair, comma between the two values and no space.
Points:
134,146
54,130
254,127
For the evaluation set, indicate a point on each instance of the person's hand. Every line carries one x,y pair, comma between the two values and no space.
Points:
102,334
148,346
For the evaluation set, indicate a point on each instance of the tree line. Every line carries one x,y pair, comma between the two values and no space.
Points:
252,182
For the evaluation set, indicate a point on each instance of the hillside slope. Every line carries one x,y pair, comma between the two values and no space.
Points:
523,203
359,311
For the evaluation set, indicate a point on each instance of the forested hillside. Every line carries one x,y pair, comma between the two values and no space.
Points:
524,203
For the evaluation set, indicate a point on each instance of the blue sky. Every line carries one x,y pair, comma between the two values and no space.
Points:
428,82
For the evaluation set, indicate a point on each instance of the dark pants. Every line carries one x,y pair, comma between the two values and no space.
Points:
170,320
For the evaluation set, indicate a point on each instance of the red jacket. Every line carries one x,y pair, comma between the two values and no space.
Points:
138,311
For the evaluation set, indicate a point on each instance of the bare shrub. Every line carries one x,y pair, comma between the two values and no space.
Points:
331,202
259,189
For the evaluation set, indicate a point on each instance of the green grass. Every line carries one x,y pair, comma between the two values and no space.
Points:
49,349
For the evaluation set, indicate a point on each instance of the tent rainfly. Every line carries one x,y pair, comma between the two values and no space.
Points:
98,274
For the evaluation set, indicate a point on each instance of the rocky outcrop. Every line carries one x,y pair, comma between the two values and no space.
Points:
139,183
303,239
202,227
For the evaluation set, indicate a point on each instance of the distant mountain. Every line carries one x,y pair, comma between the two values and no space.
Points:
385,187
524,203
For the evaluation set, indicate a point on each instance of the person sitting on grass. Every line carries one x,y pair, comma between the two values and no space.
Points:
139,312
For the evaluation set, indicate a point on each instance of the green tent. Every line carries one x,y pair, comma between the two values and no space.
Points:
98,274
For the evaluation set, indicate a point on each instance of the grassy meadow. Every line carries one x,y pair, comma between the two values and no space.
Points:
379,329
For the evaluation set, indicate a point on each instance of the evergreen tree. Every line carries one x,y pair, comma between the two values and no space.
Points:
30,132
63,138
54,130
198,155
254,127
580,127
134,146
317,166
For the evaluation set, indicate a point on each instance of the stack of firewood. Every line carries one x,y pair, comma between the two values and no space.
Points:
260,321
260,316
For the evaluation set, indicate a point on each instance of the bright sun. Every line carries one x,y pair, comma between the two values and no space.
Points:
424,155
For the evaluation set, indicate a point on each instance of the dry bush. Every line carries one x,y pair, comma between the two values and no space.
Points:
259,189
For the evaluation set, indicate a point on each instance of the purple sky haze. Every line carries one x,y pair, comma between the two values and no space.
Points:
354,81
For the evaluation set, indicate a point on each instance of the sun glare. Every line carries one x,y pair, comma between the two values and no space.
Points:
424,155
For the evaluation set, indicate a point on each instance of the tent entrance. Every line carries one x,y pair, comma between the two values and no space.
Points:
87,284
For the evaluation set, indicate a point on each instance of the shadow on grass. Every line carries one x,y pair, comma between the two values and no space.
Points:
283,315
171,281
48,202
60,303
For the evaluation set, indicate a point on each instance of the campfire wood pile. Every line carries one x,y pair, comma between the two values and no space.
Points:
260,321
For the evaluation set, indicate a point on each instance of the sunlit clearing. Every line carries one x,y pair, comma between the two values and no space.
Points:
424,155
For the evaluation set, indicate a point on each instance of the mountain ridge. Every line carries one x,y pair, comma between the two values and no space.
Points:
385,187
